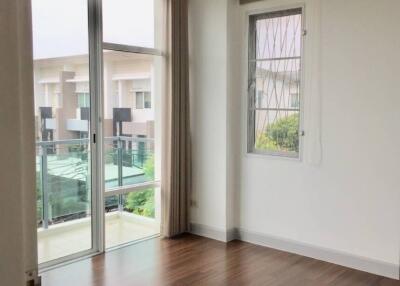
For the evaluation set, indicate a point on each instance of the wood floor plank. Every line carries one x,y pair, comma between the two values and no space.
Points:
192,260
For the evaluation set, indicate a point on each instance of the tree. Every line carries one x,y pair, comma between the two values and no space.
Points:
39,203
282,135
142,203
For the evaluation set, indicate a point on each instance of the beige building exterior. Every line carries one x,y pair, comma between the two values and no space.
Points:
62,96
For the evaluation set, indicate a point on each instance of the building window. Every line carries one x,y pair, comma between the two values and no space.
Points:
294,100
83,99
275,49
143,100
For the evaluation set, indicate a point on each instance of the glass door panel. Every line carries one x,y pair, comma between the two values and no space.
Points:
129,22
131,149
131,217
129,119
62,120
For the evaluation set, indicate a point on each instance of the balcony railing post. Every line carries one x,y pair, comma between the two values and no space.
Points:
120,165
45,185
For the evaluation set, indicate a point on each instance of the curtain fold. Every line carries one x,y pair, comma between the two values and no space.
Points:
176,166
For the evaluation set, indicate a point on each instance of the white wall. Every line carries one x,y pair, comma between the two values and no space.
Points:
344,199
208,69
17,177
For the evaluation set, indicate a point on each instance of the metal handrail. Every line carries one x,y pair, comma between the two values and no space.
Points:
86,140
125,138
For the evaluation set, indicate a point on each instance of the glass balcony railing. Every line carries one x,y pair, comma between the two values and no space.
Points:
63,178
128,161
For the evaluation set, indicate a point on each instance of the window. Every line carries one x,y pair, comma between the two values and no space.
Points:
97,171
147,100
275,49
83,99
130,22
294,100
65,196
133,90
143,100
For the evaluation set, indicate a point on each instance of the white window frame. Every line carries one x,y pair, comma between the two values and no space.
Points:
250,138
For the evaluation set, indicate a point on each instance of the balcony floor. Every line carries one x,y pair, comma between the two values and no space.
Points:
72,237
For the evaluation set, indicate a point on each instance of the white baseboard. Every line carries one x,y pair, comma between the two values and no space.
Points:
232,234
378,267
325,254
213,232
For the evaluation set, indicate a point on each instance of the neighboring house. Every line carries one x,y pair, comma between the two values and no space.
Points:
62,97
277,94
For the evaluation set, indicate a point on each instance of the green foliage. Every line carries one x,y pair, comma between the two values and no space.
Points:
39,203
263,142
282,135
142,203
148,167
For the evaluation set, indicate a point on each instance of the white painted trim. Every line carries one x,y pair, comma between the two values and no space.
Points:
270,8
310,149
67,260
132,49
232,234
216,233
338,257
130,243
321,253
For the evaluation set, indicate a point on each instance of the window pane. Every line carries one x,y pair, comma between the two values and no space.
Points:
276,81
139,100
147,100
278,37
83,99
129,22
60,28
275,76
61,96
131,217
129,129
277,131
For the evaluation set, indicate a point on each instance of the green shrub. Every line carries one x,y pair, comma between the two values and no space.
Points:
148,168
263,142
282,135
142,203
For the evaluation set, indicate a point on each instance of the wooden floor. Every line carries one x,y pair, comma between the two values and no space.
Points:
193,260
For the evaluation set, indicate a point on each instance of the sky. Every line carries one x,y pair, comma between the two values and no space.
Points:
60,26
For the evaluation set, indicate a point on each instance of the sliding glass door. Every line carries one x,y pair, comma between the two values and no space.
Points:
98,93
63,129
132,81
